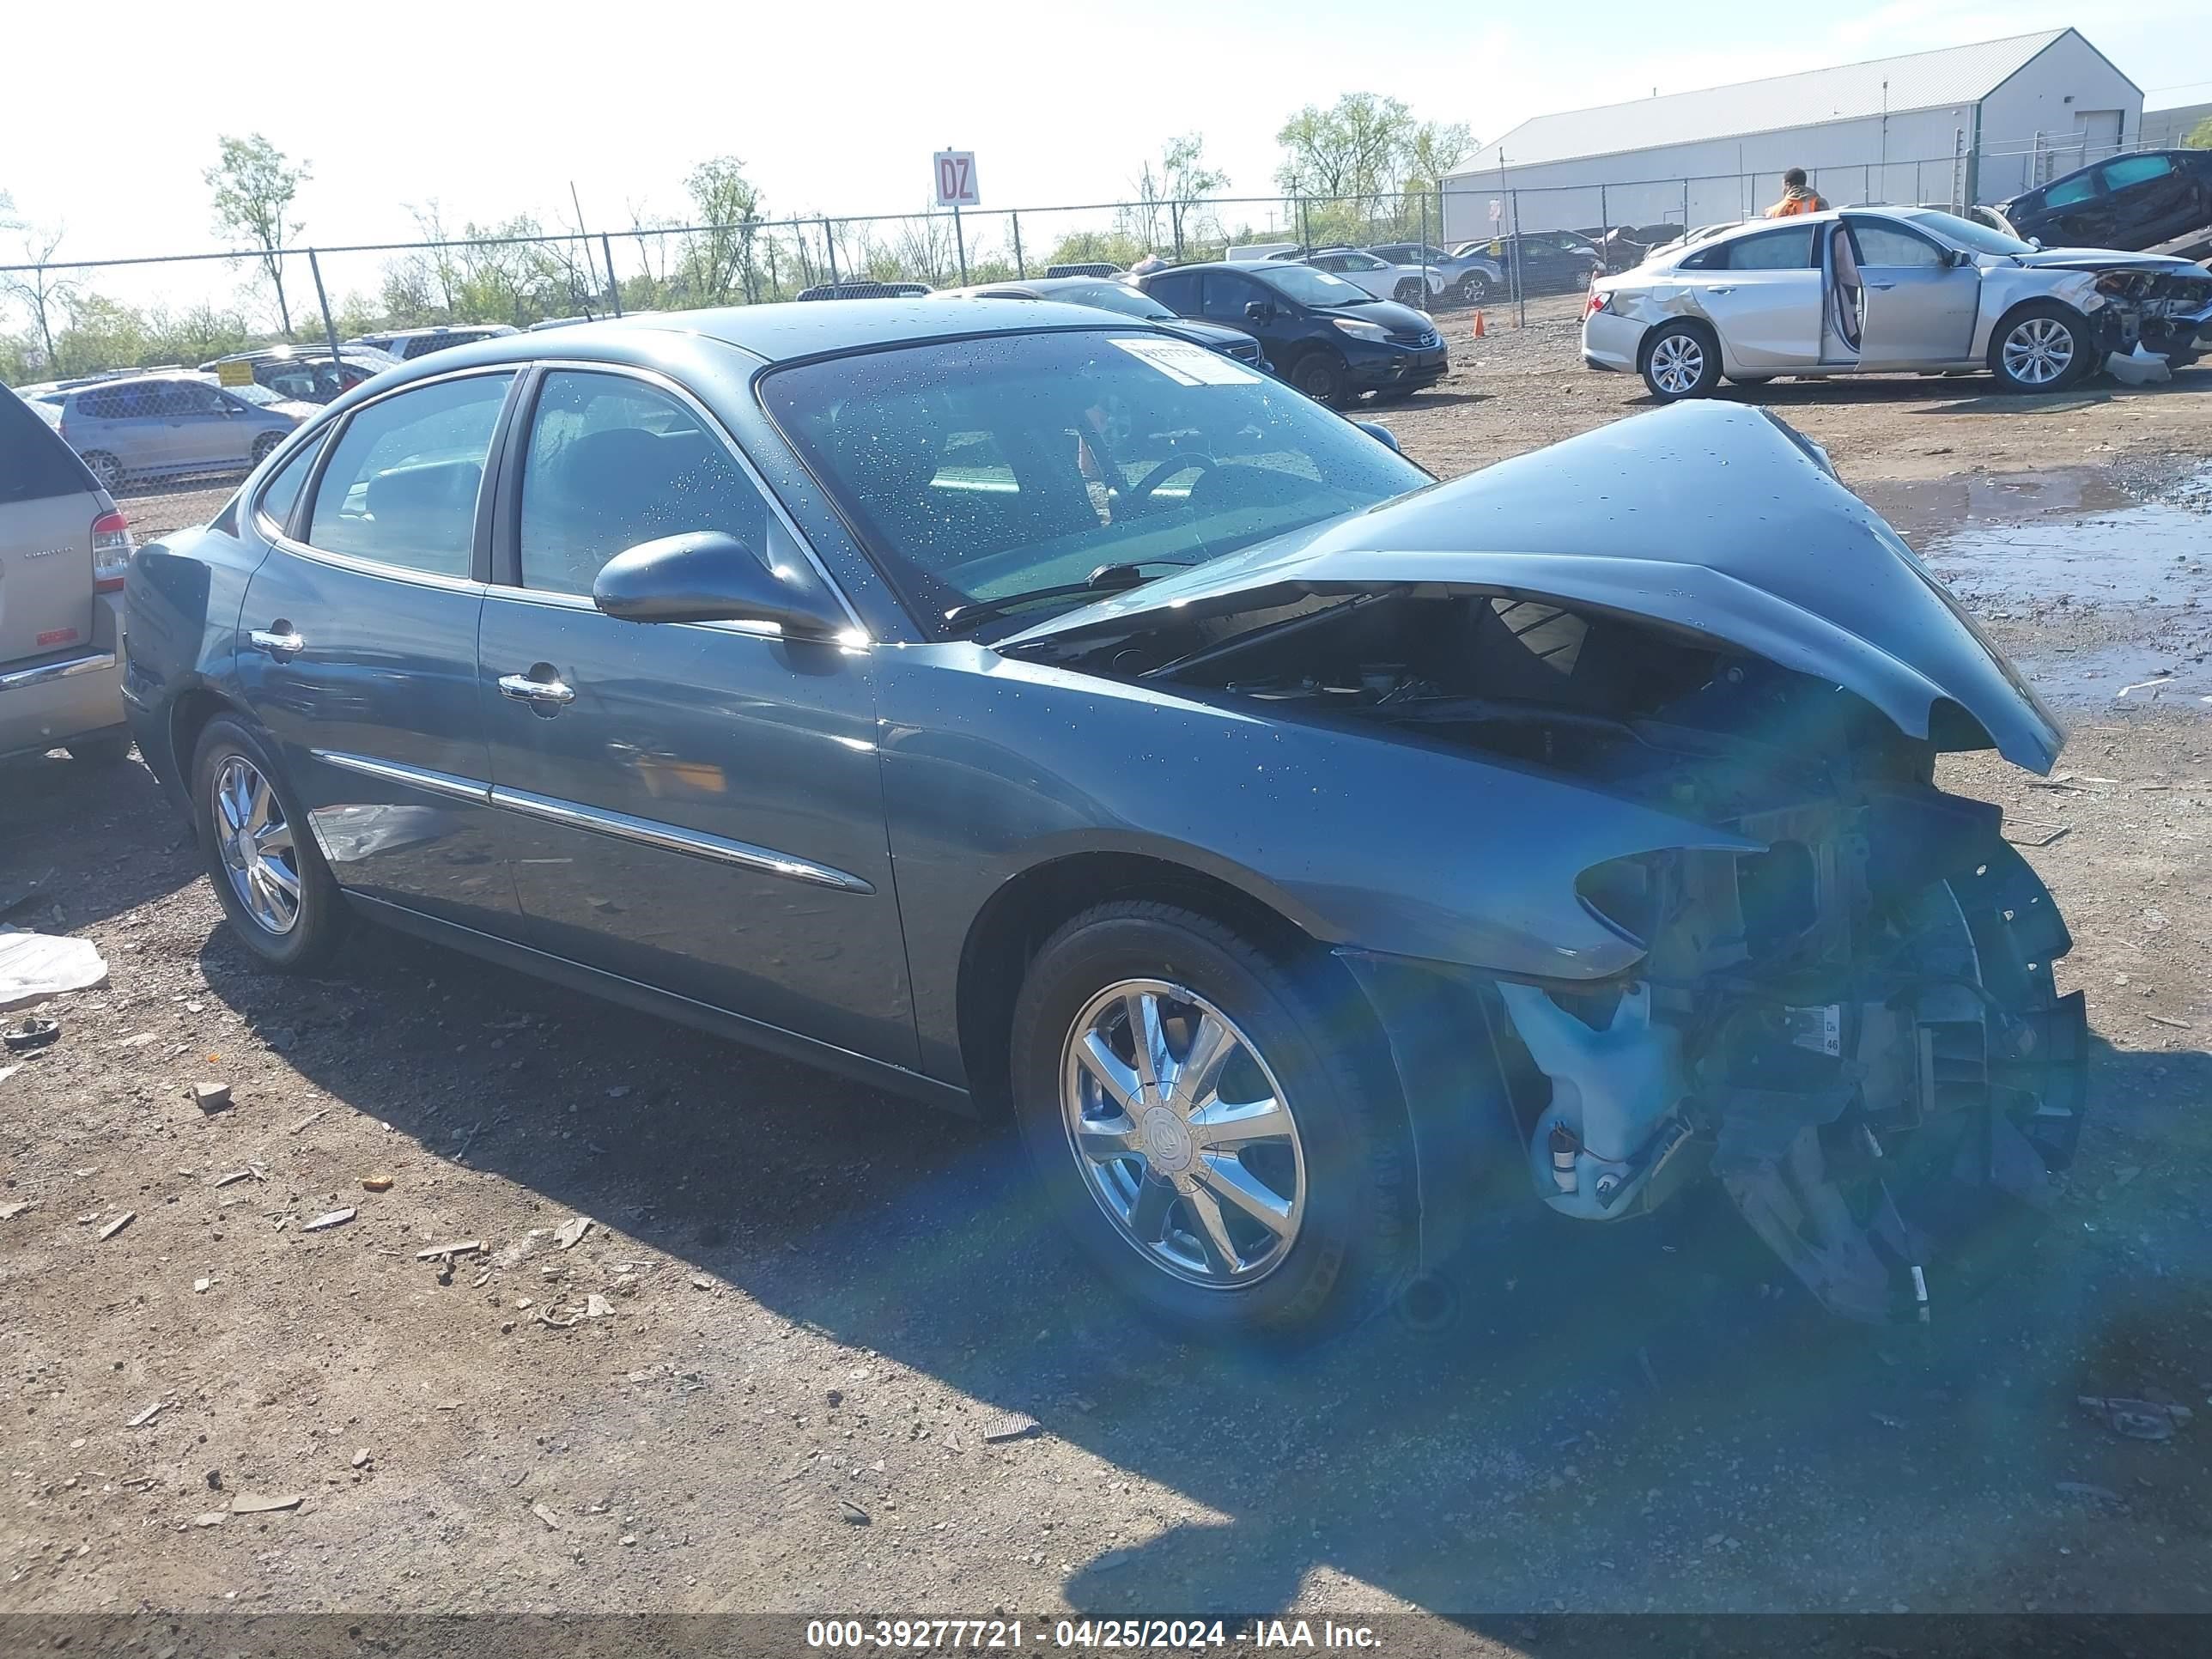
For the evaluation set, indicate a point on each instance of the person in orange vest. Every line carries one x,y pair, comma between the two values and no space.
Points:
1796,197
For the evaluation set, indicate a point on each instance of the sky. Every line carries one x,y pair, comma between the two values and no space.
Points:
492,110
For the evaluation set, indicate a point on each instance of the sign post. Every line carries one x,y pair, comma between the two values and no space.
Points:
955,171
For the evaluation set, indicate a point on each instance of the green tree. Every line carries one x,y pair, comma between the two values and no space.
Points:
1433,150
1356,147
254,184
2200,136
722,257
1170,187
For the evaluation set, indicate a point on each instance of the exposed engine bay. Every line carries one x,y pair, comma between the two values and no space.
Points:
2159,312
1855,1030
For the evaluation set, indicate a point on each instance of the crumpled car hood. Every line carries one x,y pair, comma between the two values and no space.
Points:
1707,517
2105,259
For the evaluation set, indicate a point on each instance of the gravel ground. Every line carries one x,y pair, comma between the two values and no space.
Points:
769,1374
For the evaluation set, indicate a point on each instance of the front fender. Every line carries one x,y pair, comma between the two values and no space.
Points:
993,766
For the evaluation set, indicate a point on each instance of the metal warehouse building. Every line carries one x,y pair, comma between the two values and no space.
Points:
1975,123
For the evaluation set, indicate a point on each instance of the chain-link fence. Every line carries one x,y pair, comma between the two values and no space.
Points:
67,318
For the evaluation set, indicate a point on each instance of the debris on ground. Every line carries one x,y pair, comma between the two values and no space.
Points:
552,1522
148,1415
301,1126
1009,1425
376,1183
443,1252
118,1224
335,1218
2136,1420
361,1458
245,1172
212,1518
201,1286
854,1514
211,1098
571,1232
34,967
244,1504
34,1031
598,1307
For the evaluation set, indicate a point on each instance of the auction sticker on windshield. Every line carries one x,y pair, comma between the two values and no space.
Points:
1186,364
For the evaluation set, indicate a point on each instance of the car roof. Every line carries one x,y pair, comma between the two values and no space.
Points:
780,332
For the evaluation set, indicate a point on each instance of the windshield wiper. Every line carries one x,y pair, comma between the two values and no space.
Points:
1107,579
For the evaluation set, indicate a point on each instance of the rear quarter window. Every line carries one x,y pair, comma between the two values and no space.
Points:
35,464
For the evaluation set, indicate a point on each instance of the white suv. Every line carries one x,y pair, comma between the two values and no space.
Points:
1407,284
63,549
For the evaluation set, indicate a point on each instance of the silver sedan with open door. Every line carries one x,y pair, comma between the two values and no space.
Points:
1885,291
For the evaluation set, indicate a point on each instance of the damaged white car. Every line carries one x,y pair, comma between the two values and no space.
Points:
1888,291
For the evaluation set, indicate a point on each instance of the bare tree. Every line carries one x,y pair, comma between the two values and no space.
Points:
42,293
254,184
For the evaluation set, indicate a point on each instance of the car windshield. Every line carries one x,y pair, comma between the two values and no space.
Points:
977,470
1967,233
1111,296
1312,287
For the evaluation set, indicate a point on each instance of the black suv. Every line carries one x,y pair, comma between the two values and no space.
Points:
2130,201
1330,339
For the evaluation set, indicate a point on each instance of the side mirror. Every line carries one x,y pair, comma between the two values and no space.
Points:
1258,311
705,575
1380,433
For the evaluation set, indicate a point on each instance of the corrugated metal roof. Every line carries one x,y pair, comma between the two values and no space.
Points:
1920,80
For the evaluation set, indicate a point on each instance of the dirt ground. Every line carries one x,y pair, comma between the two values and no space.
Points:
813,1302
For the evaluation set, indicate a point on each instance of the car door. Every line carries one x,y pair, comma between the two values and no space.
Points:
123,420
1763,293
1919,308
2075,213
697,807
199,434
2149,200
357,645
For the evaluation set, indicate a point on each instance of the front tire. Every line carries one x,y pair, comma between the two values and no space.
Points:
1474,289
275,888
2043,347
1681,360
1212,1123
1321,378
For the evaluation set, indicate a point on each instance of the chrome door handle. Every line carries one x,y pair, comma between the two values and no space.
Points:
281,641
523,689
1721,290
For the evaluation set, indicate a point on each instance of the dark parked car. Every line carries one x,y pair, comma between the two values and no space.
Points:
2131,202
1327,338
307,374
1311,856
1130,301
1545,261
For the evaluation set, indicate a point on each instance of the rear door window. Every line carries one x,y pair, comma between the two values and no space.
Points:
401,486
1769,250
2134,170
1178,292
284,488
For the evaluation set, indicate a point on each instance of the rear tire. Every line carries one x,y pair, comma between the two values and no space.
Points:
278,894
1321,378
2041,347
264,445
1681,360
1332,1170
106,470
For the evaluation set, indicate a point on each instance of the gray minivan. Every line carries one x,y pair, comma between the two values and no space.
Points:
64,552
160,426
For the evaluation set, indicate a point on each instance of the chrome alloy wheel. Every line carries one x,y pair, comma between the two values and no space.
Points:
1183,1133
1677,364
2038,350
256,843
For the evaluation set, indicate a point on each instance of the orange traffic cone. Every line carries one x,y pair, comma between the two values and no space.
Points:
1478,330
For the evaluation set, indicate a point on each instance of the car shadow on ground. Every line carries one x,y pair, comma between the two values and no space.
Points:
52,807
1646,1415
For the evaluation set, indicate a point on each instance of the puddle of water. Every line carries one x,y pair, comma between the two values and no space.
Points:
2015,544
2118,677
